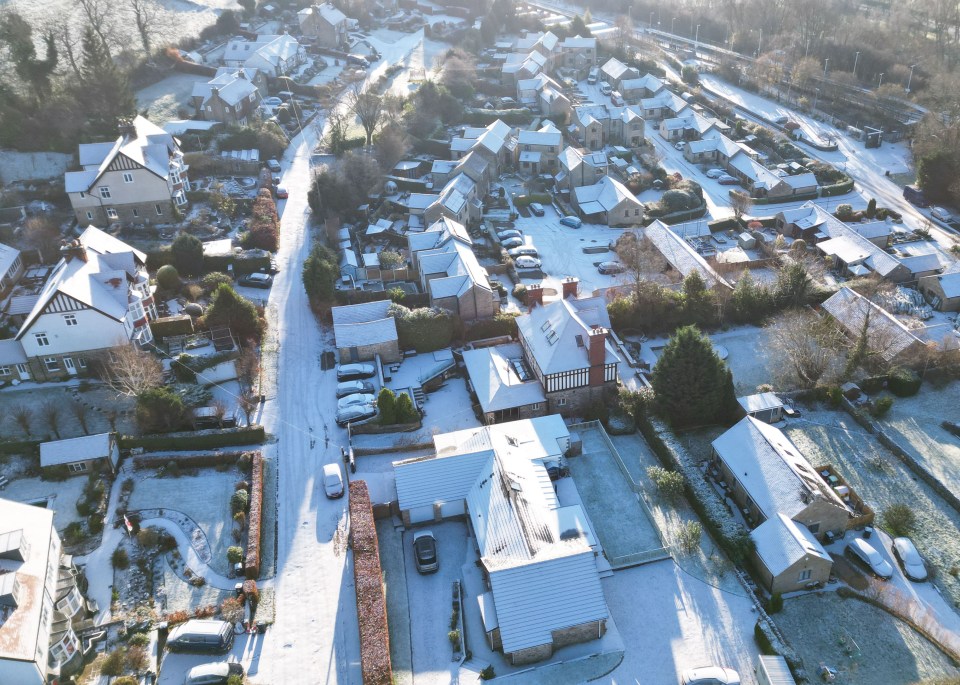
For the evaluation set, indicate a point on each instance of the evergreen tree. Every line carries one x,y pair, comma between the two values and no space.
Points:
698,300
187,253
793,287
231,310
320,271
693,385
750,301
103,90
387,405
17,34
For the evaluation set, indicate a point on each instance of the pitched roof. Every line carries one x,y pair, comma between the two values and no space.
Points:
232,87
782,542
544,438
459,263
770,468
665,99
759,402
578,43
11,353
329,14
604,196
437,234
493,375
8,256
369,323
709,143
680,254
542,137
83,448
886,334
615,69
440,478
647,82
949,283
557,334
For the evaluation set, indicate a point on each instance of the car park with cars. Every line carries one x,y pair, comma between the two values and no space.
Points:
710,675
525,262
537,209
511,242
572,221
510,233
354,388
351,400
354,413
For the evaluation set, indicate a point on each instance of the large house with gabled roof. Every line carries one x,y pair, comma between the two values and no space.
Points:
140,178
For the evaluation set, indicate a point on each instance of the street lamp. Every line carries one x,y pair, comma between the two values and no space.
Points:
855,60
912,67
826,63
673,19
881,81
696,44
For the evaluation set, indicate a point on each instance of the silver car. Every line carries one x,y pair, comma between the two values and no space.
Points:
213,674
353,388
910,560
866,554
351,400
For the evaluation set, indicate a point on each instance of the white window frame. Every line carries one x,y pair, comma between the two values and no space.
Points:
90,216
127,177
112,213
51,364
561,401
42,339
805,575
105,192
77,468
159,209
5,371
81,362
70,319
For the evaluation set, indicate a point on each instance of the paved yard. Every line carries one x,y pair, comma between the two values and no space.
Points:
620,523
60,496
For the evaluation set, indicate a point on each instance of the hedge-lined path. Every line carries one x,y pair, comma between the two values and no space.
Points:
191,531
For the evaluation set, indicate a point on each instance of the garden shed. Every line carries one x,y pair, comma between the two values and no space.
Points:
82,455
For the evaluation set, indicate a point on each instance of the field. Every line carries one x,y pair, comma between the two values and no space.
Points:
832,437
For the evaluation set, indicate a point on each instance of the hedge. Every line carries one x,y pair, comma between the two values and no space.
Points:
837,189
20,446
782,199
525,200
368,584
254,517
169,326
904,382
187,460
196,440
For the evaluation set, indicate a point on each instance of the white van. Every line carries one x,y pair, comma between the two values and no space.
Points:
593,75
616,98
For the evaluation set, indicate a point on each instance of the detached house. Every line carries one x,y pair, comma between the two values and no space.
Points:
273,55
325,23
615,72
363,331
887,336
578,54
581,168
664,105
689,126
231,98
139,178
608,202
97,297
638,88
537,585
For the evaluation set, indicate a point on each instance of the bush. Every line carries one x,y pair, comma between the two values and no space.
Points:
138,640
239,501
196,440
168,278
405,411
160,409
904,382
763,642
668,483
214,279
95,524
425,329
387,405
520,292
881,407
252,565
775,605
899,520
148,538
488,673
187,251
120,559
235,680
73,533
688,538
127,679
112,665
234,554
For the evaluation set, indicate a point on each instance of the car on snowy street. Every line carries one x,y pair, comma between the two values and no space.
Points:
425,552
611,268
572,221
728,180
332,481
710,675
524,262
715,173
511,242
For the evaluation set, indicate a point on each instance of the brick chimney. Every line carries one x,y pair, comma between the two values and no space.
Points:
71,249
127,129
534,295
570,286
597,355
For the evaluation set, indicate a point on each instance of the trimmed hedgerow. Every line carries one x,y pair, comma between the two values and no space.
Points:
254,517
368,580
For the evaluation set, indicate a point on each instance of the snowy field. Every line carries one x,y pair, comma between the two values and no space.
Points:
162,100
60,496
832,437
914,423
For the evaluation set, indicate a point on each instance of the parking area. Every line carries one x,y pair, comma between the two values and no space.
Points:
246,650
621,524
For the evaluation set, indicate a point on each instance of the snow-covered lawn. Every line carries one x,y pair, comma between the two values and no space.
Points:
204,497
96,400
865,644
163,100
832,437
60,496
914,423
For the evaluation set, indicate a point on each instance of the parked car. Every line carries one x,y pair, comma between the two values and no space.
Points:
510,233
353,388
728,180
941,214
716,173
605,88
616,99
358,412
593,75
201,635
710,675
572,221
680,145
359,60
353,372
332,481
271,102
282,193
864,552
781,120
525,262
217,673
272,164
425,552
524,251
537,209
257,280
351,400
511,243
910,560
611,268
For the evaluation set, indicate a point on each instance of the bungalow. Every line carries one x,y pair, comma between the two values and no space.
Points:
762,182
273,55
681,256
788,556
11,268
614,72
538,150
363,331
503,384
84,455
608,202
646,86
942,290
580,168
499,477
887,336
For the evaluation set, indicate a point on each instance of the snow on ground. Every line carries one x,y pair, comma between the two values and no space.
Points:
61,497
671,621
34,396
164,99
831,437
914,423
247,649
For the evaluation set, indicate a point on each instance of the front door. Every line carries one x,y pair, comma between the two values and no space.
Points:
70,366
24,372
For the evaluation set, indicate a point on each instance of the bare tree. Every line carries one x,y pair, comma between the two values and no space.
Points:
805,348
43,234
248,404
80,412
741,203
128,371
51,411
23,415
101,17
368,108
639,255
623,27
219,411
149,18
248,366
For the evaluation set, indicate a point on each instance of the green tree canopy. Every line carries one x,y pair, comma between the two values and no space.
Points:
387,405
693,385
103,91
320,272
187,254
230,309
160,409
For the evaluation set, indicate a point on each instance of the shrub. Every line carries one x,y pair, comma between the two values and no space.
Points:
775,604
668,483
120,559
136,659
73,533
168,278
187,251
112,665
834,396
387,404
425,329
235,679
95,524
231,610
214,279
239,501
84,507
763,642
160,409
127,486
454,637
904,382
138,640
234,554
488,673
844,212
688,538
899,519
881,406
126,680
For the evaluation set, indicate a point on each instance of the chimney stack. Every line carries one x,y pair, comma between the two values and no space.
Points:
597,354
71,249
570,286
534,295
127,129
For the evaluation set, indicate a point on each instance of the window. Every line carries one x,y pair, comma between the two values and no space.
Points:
51,363
4,370
22,370
804,575
42,339
90,216
81,362
77,468
175,177
82,194
112,213
536,407
70,319
636,212
159,210
626,212
562,402
136,213
181,199
127,177
105,192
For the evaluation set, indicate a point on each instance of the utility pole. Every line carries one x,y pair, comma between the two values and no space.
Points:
910,79
855,60
671,24
760,44
696,46
826,63
881,81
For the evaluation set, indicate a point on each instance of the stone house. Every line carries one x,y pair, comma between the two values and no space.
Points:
537,151
942,290
615,72
580,168
363,331
608,202
597,126
138,179
326,24
230,98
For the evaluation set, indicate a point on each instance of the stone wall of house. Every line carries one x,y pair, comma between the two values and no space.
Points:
578,400
132,213
577,634
389,352
531,655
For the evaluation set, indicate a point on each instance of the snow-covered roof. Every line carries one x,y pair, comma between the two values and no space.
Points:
604,195
441,478
647,82
232,87
760,402
759,175
437,234
368,323
558,333
87,447
543,438
494,377
873,229
950,284
11,353
886,334
615,69
921,263
8,257
330,14
709,143
782,542
665,99
770,468
680,254
551,138
689,122
578,43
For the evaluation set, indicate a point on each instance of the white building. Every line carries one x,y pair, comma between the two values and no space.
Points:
273,55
